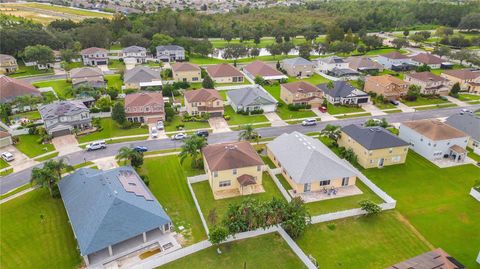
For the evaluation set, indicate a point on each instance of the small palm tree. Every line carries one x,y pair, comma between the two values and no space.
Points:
331,131
57,167
247,132
192,147
126,154
43,177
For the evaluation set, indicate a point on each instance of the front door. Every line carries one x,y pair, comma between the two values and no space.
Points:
380,162
345,181
307,187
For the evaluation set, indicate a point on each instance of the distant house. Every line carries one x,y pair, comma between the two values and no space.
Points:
87,76
374,146
251,98
144,107
170,53
434,139
263,70
112,214
469,80
429,83
139,54
233,169
141,76
390,87
62,117
224,73
94,56
364,64
8,64
298,67
395,61
435,259
327,64
307,164
5,139
198,102
432,61
11,88
468,123
345,73
186,72
301,93
343,93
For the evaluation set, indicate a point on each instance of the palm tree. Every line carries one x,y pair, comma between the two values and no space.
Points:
192,147
43,177
57,167
247,132
331,131
126,154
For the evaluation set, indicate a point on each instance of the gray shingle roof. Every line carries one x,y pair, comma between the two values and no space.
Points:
340,89
134,49
141,74
102,212
373,137
467,123
332,60
62,108
297,61
168,47
308,160
252,95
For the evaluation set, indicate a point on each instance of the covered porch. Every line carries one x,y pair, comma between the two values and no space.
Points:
247,185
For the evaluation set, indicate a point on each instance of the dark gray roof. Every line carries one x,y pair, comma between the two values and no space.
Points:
134,49
62,108
297,61
332,60
339,72
168,47
101,210
373,137
467,123
252,95
141,74
341,89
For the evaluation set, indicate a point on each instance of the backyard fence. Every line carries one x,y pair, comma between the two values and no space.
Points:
101,115
475,194
190,181
273,173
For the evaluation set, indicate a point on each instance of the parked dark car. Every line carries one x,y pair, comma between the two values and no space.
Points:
140,148
394,102
202,133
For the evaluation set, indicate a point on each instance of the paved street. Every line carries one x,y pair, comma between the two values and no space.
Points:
18,179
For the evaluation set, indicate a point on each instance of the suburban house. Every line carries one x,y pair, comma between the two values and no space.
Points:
11,88
224,73
139,54
198,102
5,139
251,98
469,80
87,76
301,93
186,72
374,146
261,69
298,67
364,64
140,77
8,64
390,87
94,56
325,65
432,61
144,107
308,165
170,53
468,123
60,118
233,169
435,140
343,93
395,61
435,259
429,83
113,213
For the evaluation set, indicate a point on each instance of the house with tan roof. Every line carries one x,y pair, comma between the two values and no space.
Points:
224,73
469,80
186,72
233,169
390,87
87,76
11,88
395,61
298,67
429,83
198,102
144,107
301,93
94,56
261,69
8,64
435,140
364,64
432,61
435,259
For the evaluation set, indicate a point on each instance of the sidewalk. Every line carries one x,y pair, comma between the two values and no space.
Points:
274,119
456,101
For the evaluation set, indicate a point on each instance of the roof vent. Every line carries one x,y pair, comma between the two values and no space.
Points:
230,147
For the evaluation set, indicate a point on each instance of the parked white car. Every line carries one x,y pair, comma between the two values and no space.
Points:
96,145
179,136
160,125
154,132
309,122
7,156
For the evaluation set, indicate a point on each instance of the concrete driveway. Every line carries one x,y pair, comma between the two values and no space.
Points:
21,160
219,125
274,119
66,144
375,111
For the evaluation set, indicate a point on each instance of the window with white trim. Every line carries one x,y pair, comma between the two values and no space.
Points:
324,182
224,183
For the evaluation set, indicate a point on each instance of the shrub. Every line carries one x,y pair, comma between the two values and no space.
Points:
331,226
297,107
370,207
226,117
94,110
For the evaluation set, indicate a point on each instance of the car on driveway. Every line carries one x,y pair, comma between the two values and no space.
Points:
323,109
179,136
96,145
394,102
160,125
140,148
7,156
309,122
202,133
154,132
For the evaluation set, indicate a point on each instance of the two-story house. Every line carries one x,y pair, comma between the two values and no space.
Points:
144,107
468,123
170,53
429,83
395,61
298,67
390,87
60,118
469,80
301,93
198,102
94,56
186,72
8,64
137,53
326,65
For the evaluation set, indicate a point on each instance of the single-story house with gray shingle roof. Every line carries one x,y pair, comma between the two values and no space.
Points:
251,98
61,117
141,76
298,67
343,93
87,76
139,54
468,123
308,165
108,208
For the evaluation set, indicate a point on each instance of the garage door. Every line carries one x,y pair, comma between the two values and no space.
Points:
362,100
215,114
101,62
61,132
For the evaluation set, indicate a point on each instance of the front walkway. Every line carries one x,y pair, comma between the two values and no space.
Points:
323,116
219,125
405,108
274,119
66,144
456,101
328,194
375,111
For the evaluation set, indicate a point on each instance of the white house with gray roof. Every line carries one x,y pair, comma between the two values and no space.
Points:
141,76
343,93
327,64
170,53
137,53
251,98
298,67
60,118
468,123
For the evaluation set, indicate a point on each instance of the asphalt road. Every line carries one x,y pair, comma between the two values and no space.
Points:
20,178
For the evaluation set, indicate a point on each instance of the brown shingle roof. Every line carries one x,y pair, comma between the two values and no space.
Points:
232,155
4,134
179,67
259,68
434,129
202,95
11,88
463,74
356,63
435,259
93,50
426,76
386,80
143,99
300,86
395,55
246,180
427,58
223,70
83,72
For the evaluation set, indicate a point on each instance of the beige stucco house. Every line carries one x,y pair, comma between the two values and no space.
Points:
198,102
298,67
301,93
186,72
429,83
224,73
8,64
390,87
469,80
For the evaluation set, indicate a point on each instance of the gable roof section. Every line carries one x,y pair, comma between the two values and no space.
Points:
252,95
395,55
332,60
373,138
467,123
386,80
168,47
435,259
141,74
259,68
226,156
6,57
363,63
307,159
223,70
62,108
434,129
297,61
202,95
340,89
426,76
464,74
83,72
143,99
185,67
300,86
93,50
10,88
427,58
133,49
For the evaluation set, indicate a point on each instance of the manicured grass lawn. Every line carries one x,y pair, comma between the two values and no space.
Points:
68,10
274,90
286,114
115,64
384,51
201,60
114,81
472,155
47,157
171,126
315,79
436,201
208,203
362,243
353,116
30,71
6,172
74,65
443,105
111,129
383,105
424,101
28,145
15,191
262,252
169,185
116,47
220,43
399,75
29,241
239,119
58,86
338,109
3,164
31,115
468,97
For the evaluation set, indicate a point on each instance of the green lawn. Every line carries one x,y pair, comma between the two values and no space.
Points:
424,101
436,202
442,105
171,126
114,81
353,116
208,203
115,64
220,43
28,241
69,10
169,185
30,71
472,155
286,114
468,97
72,65
315,79
111,129
31,115
58,86
262,252
399,75
201,60
338,109
15,191
362,243
29,146
239,119
3,164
